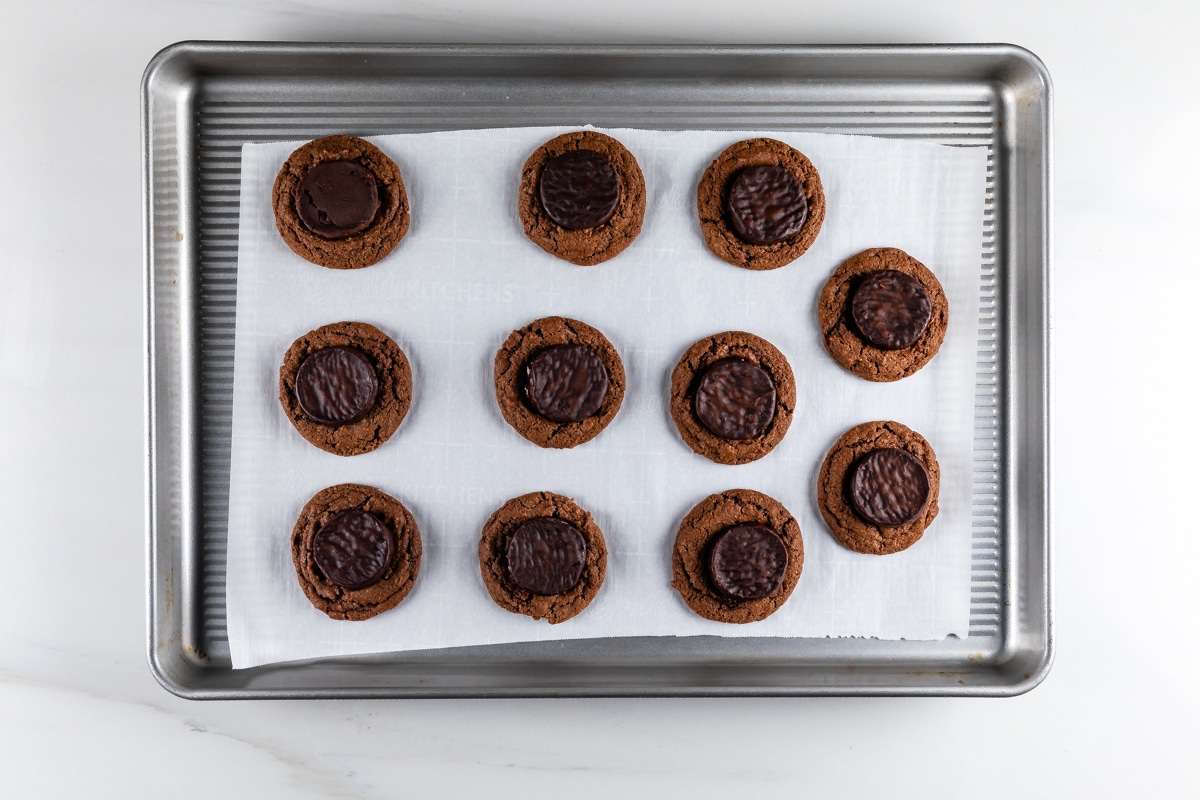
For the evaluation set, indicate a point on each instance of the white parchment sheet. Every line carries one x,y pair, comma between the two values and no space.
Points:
465,276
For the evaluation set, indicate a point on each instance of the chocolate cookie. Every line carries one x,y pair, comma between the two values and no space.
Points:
878,487
883,314
582,197
732,397
737,556
339,202
543,556
559,382
356,551
761,204
345,387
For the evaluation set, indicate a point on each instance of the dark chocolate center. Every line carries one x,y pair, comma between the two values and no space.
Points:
546,555
336,386
337,199
579,189
566,382
891,309
889,487
353,550
735,399
747,562
766,204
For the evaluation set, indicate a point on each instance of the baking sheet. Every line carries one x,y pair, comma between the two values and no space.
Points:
202,101
465,276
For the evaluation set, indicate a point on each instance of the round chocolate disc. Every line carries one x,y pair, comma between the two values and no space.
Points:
546,555
353,550
747,562
735,399
336,386
566,382
766,204
579,189
337,199
889,487
891,309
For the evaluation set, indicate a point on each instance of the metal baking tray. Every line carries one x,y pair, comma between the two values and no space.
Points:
202,100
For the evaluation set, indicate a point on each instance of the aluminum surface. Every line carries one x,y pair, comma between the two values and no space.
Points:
202,101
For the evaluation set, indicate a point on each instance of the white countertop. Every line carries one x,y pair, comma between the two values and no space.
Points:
79,710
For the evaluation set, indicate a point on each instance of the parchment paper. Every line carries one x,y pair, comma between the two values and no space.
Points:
465,276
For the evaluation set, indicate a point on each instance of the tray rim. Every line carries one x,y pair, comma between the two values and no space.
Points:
173,56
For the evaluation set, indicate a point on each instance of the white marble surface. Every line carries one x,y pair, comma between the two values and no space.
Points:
79,711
